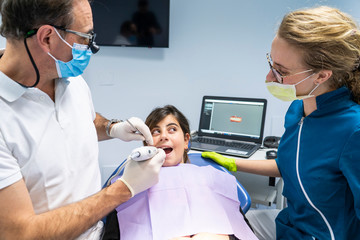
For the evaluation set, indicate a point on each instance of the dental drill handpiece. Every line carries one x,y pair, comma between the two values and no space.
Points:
143,153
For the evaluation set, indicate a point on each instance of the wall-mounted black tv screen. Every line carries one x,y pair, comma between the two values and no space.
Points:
139,23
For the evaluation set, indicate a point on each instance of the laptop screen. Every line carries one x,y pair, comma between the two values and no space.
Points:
233,118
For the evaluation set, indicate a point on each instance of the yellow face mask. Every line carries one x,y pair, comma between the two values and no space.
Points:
287,92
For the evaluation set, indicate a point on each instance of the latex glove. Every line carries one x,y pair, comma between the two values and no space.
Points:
135,130
139,176
228,163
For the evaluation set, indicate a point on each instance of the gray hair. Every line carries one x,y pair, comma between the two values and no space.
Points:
21,16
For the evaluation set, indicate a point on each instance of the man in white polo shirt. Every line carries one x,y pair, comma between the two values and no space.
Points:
49,173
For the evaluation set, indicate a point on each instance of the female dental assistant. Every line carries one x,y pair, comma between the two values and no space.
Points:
314,60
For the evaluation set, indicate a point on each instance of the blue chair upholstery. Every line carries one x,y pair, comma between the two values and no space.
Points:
197,159
243,195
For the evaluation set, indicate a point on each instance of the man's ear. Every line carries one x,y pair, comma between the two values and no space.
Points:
44,37
324,75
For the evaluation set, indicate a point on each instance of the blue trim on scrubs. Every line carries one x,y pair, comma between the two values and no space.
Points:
329,169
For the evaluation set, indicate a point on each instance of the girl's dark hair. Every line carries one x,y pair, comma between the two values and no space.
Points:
21,16
158,114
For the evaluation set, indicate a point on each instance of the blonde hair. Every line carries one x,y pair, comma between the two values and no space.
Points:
329,39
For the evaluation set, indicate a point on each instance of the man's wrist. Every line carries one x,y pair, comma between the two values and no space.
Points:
131,190
123,190
108,126
116,194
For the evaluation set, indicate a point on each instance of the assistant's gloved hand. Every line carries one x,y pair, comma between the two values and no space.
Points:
139,176
127,131
228,163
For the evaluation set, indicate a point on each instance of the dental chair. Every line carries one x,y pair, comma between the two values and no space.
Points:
196,159
243,195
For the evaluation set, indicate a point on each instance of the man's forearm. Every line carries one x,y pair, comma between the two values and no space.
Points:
100,125
67,222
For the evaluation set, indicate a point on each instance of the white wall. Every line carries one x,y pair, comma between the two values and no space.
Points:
217,47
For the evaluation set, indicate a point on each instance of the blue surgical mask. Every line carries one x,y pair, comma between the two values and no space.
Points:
81,57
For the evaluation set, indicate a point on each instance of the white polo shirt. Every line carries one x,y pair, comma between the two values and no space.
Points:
52,145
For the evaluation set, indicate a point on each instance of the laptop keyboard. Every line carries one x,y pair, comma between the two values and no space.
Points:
221,142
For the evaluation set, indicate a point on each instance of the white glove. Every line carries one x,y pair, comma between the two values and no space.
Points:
132,129
139,176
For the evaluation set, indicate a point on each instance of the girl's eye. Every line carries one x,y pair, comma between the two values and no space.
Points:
173,129
155,132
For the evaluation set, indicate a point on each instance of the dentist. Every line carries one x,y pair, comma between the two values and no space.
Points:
49,131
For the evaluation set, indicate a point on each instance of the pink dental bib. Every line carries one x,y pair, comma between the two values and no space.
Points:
188,199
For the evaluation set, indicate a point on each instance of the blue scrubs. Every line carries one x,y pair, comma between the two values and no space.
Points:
319,160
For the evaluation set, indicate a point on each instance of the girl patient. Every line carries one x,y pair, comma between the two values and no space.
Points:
189,202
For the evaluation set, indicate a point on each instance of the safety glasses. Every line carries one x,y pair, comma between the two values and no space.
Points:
89,36
276,74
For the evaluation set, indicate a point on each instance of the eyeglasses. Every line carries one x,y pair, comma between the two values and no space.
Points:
276,73
89,36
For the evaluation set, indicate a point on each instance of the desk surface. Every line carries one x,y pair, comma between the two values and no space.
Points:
258,186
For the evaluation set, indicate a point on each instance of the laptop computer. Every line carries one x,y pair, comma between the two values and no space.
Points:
229,125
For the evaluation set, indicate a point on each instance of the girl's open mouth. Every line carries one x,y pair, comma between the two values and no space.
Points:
167,150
